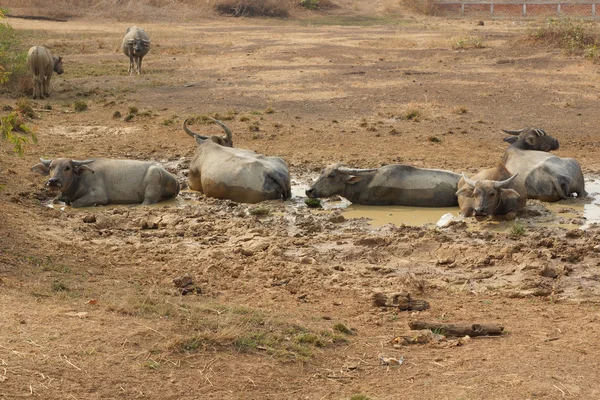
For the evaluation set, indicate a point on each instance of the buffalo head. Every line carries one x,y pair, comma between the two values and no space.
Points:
488,195
58,67
334,179
531,139
226,140
63,172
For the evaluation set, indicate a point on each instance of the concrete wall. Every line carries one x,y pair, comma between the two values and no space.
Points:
507,8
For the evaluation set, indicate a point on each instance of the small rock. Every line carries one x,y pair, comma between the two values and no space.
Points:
88,219
549,272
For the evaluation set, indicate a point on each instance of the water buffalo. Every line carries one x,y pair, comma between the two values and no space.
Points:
390,185
103,181
136,44
545,176
491,192
219,170
41,64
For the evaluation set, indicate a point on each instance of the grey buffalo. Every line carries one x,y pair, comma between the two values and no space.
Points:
390,185
491,192
219,170
136,44
41,64
103,181
545,176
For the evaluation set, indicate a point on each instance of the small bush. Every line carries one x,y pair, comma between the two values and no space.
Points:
467,42
129,117
434,139
260,211
25,108
14,76
117,114
251,8
573,35
133,110
310,4
313,203
341,328
517,229
80,106
15,131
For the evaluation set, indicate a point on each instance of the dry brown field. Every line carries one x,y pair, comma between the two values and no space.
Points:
282,302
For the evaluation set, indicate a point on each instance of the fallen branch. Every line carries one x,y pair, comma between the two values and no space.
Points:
458,330
36,17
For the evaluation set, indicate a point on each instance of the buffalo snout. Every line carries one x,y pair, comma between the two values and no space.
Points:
310,192
54,182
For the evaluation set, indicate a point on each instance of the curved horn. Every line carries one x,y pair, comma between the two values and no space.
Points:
516,133
146,40
78,163
539,132
192,134
45,162
228,136
469,182
355,170
501,184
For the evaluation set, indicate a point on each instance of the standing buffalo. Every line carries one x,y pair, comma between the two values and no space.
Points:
491,192
218,170
103,181
41,64
396,184
545,176
136,44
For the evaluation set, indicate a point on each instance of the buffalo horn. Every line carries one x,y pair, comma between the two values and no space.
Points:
539,132
355,170
516,133
45,162
501,184
469,182
192,134
228,136
77,163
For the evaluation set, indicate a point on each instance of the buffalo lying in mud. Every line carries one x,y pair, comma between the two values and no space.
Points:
221,171
41,64
545,176
395,184
491,192
104,181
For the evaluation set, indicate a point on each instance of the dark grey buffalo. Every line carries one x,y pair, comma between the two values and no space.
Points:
103,181
390,185
41,64
136,44
545,176
491,192
219,170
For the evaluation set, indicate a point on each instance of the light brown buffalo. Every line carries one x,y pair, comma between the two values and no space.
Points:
492,192
41,64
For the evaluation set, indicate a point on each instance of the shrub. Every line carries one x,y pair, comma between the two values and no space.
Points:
575,36
80,106
313,203
251,8
14,76
117,114
15,131
310,4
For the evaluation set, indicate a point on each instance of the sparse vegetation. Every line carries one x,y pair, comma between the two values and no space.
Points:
339,327
117,114
461,110
252,8
427,7
132,110
434,139
359,397
313,203
310,4
15,131
129,117
25,108
260,211
467,42
80,106
14,76
517,229
171,120
576,36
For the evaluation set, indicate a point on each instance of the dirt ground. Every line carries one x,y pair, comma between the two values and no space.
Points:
280,305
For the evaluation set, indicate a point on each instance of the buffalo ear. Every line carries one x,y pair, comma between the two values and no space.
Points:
83,170
530,140
506,194
511,139
41,169
467,191
352,179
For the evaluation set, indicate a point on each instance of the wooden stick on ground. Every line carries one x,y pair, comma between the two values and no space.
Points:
458,330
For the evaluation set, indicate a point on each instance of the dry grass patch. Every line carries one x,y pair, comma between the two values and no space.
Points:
426,7
252,8
576,36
